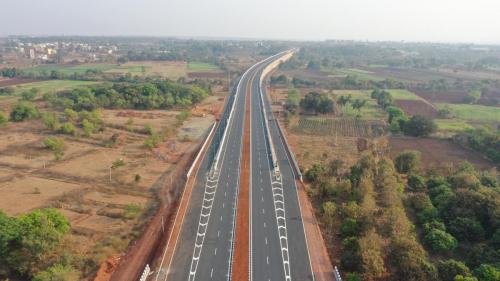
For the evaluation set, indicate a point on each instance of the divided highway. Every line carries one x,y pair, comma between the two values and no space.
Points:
204,248
278,243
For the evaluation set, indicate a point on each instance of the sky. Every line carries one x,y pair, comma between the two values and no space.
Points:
475,21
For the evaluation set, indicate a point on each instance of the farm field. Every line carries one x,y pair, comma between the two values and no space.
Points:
201,66
370,111
436,152
473,112
52,85
348,127
359,73
170,69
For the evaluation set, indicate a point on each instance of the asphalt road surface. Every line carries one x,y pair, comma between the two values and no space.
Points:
204,248
278,242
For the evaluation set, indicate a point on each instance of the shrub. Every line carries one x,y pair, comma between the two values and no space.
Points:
118,163
132,211
88,127
152,141
50,120
56,145
23,111
58,272
68,129
3,118
315,173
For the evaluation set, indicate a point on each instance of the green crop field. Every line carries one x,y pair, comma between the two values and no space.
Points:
359,73
350,127
52,85
201,66
452,125
473,112
399,94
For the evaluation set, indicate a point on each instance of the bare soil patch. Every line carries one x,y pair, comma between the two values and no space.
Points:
16,81
442,96
206,75
417,107
436,152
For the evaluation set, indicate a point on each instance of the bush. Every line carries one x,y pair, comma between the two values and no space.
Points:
315,173
68,129
50,120
132,211
152,141
56,145
29,95
88,127
3,118
23,111
118,163
58,272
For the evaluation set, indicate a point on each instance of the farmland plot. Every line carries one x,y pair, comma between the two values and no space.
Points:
348,127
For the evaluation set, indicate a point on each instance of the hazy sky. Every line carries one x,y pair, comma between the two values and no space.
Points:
410,20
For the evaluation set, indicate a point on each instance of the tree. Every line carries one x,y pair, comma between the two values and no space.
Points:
317,103
384,98
419,126
486,272
56,145
370,248
448,269
467,229
23,111
358,104
440,241
315,173
472,97
416,182
39,233
395,113
407,161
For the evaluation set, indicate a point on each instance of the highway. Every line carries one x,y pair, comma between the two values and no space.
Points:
278,242
204,248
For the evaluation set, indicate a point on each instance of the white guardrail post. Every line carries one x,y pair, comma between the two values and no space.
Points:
145,273
337,274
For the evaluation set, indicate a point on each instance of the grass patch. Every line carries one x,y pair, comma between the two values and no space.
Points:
359,73
201,66
68,70
52,85
473,112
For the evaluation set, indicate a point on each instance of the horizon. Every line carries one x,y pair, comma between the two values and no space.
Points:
298,20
